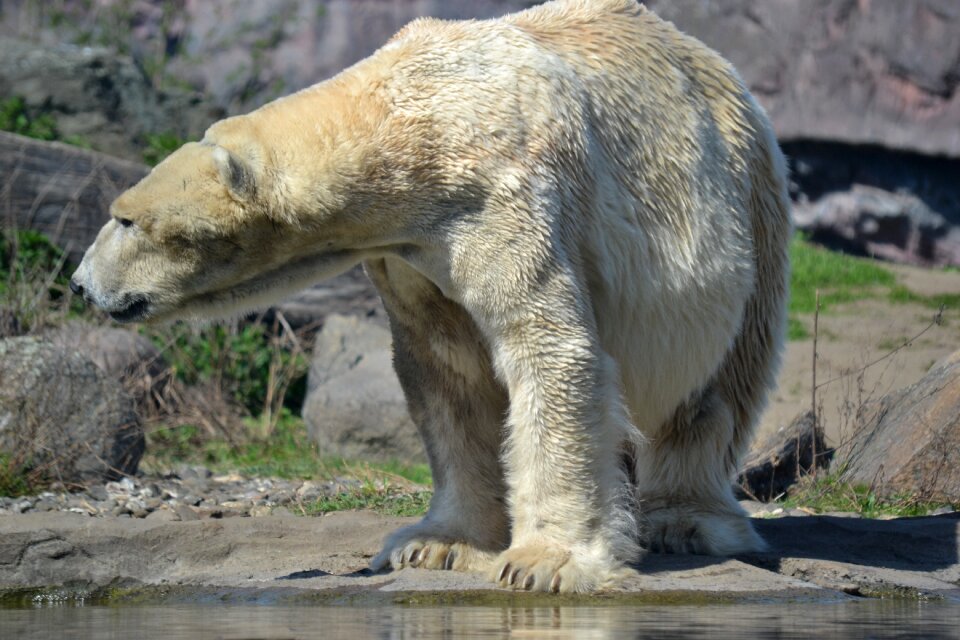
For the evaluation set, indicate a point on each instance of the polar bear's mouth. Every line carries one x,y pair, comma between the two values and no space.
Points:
135,309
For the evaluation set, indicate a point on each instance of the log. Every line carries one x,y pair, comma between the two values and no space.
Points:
59,190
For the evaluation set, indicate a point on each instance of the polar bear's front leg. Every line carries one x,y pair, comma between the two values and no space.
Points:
458,406
573,526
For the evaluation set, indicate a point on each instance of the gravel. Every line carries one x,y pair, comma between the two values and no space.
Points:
187,493
194,492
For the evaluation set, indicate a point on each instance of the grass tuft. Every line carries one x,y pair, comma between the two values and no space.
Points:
288,452
386,501
828,492
17,478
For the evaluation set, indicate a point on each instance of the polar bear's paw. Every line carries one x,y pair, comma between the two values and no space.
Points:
418,546
425,553
680,530
544,567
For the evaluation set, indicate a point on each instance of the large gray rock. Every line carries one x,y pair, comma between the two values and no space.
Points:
63,417
61,191
249,53
881,73
125,356
96,95
909,440
874,222
355,407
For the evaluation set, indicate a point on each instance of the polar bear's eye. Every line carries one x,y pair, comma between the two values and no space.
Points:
125,222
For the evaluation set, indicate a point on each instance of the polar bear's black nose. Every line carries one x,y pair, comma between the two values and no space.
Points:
75,287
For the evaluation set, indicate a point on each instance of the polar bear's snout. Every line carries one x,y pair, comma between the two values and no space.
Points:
128,306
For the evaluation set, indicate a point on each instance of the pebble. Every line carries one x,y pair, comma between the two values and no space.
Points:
98,493
185,513
162,515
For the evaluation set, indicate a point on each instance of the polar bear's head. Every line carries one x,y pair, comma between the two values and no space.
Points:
203,236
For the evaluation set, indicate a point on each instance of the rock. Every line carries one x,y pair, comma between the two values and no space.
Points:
98,492
61,191
877,223
354,406
98,96
186,513
881,73
909,440
162,515
61,416
771,466
22,506
242,59
350,293
194,472
127,357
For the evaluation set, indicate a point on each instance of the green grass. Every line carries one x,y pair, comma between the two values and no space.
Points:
17,479
290,453
827,492
839,277
842,278
899,294
388,501
29,251
287,453
796,329
34,276
15,117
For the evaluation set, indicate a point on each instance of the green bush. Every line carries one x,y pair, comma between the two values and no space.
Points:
17,478
34,283
15,119
247,361
28,251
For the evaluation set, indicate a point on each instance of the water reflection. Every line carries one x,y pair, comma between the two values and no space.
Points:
861,619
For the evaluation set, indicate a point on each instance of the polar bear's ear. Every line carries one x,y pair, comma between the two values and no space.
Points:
235,174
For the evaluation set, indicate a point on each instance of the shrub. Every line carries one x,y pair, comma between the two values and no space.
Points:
15,119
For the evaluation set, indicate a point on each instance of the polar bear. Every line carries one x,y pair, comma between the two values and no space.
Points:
577,219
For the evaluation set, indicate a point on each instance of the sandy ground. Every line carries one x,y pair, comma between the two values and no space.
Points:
857,334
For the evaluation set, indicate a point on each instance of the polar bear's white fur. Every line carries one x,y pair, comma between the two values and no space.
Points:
578,222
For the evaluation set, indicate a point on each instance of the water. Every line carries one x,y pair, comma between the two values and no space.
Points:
856,619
